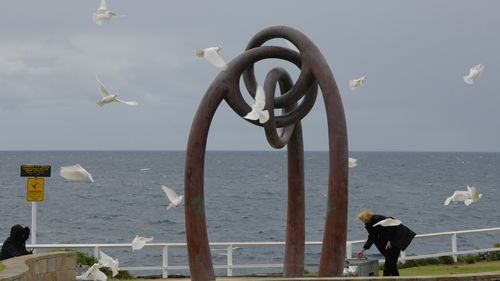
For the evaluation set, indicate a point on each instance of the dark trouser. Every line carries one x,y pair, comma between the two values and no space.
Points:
391,262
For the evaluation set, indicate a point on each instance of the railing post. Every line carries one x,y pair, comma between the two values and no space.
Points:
454,248
164,269
230,260
403,257
348,250
96,252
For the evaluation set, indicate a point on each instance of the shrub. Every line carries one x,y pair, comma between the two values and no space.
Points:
445,260
432,261
493,256
123,274
308,273
84,259
420,262
407,264
470,259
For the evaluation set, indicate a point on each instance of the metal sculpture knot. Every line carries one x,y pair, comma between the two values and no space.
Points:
314,71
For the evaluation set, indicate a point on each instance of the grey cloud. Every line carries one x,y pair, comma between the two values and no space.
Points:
414,53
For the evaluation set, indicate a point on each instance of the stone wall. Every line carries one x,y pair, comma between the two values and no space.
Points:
54,266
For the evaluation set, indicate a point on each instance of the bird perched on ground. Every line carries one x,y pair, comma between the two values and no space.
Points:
356,83
75,173
350,271
474,73
212,54
139,242
388,222
107,261
103,14
258,112
109,98
174,199
353,163
93,273
468,197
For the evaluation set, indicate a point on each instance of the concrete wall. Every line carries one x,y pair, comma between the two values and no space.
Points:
55,266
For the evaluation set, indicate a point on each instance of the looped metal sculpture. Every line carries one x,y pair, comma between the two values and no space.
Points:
314,71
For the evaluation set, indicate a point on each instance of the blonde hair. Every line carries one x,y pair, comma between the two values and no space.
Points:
365,216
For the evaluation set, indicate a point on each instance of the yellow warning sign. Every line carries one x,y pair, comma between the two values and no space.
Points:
34,191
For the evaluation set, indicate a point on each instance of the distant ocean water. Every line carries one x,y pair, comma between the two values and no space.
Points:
245,195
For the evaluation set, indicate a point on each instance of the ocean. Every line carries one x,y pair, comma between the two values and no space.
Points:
245,199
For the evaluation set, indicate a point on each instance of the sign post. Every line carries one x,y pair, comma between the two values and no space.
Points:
34,190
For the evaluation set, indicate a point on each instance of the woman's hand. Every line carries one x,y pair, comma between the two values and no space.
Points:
388,246
360,255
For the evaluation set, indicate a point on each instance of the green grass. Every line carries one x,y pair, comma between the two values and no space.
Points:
443,269
446,269
486,266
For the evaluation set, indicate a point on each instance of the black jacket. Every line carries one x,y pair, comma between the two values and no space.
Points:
15,245
400,235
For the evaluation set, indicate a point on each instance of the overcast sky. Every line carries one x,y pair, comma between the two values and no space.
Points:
413,52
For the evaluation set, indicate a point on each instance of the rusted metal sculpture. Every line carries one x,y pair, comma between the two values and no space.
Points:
314,71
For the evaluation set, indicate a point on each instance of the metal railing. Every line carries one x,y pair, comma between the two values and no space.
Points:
454,244
230,246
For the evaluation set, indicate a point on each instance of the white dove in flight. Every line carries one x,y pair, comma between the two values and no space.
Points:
474,195
474,73
353,163
109,98
258,112
468,197
103,14
107,261
139,242
93,273
75,173
174,199
388,222
212,54
457,196
356,83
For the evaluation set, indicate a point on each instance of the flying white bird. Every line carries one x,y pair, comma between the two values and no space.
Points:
103,14
474,73
174,199
107,261
353,163
388,222
109,98
468,197
93,273
212,54
292,46
458,196
139,242
474,195
75,173
356,83
258,111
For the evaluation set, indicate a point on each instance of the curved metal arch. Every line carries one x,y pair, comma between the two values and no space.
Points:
314,71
